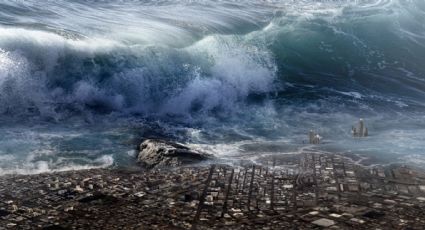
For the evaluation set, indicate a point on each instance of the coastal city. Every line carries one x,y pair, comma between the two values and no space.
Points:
212,114
302,191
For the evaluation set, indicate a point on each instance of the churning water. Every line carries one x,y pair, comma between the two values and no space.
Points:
81,81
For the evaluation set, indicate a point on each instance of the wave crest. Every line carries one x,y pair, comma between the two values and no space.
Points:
57,76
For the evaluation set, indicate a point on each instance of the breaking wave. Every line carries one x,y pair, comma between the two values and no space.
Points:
235,70
48,75
180,62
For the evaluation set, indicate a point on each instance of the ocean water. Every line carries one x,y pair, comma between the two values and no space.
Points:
82,81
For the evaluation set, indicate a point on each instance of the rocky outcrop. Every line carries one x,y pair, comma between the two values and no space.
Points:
161,153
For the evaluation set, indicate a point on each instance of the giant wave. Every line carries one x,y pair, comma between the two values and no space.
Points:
210,73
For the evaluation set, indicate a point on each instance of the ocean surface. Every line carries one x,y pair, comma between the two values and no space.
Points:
82,81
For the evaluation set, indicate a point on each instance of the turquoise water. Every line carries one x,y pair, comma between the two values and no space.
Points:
82,81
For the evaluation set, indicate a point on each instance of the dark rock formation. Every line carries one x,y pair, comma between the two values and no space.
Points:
161,153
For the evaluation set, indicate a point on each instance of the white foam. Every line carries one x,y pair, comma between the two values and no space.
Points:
356,95
49,166
238,70
52,44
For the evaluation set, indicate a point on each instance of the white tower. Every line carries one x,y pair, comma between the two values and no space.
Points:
361,128
311,136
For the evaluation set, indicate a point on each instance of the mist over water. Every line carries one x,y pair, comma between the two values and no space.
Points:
82,81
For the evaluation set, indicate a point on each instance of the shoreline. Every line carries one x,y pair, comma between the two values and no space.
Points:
305,191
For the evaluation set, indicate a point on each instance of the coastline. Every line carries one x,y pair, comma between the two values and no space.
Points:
142,114
313,190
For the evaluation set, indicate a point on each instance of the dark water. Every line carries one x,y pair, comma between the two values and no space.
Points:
82,81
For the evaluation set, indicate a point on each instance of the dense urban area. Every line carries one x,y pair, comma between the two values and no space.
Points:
278,192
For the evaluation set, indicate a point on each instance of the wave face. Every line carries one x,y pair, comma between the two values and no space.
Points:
210,73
